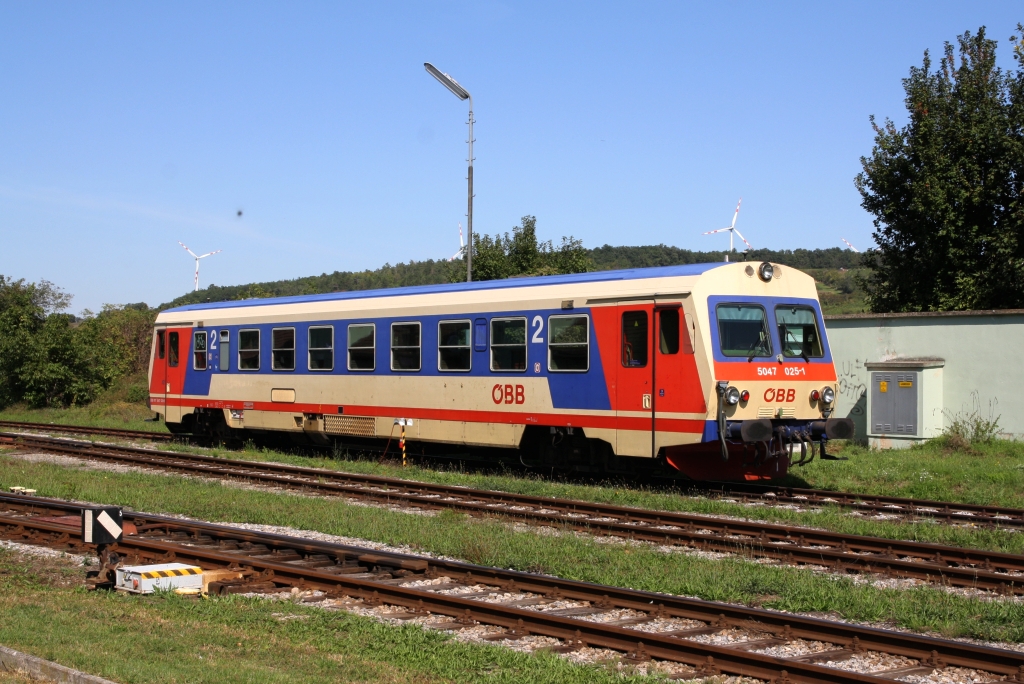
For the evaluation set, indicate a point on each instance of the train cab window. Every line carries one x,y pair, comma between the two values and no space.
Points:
508,344
321,348
634,339
453,352
798,331
199,351
283,343
668,331
249,350
405,346
743,330
568,343
172,349
360,347
161,345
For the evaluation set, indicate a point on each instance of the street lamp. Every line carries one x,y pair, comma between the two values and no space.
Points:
463,94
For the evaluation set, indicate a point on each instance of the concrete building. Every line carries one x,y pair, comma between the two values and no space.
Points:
903,377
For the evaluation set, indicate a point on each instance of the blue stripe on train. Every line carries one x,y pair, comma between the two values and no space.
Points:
571,390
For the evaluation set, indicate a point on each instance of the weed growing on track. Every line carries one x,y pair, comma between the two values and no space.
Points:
986,472
989,473
169,638
624,494
491,542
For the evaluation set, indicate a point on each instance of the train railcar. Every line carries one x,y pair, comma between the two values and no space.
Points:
719,371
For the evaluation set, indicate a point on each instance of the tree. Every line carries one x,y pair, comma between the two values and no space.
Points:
504,256
945,189
125,334
48,358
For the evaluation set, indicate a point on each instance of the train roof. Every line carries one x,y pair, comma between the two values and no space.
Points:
591,277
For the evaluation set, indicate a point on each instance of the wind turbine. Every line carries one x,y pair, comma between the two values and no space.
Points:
850,246
462,246
732,229
198,257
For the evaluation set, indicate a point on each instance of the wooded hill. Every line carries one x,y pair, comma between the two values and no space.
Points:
834,261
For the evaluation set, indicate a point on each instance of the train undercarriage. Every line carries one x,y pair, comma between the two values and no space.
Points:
744,450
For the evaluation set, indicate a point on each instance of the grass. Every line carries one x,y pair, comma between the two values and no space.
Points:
631,494
168,638
121,415
492,543
989,474
123,406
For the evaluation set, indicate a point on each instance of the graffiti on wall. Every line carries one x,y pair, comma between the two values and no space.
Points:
852,387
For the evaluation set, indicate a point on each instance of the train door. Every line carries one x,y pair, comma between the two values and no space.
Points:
677,389
635,379
158,382
177,362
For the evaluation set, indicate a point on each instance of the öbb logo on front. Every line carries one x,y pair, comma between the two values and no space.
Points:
779,395
509,394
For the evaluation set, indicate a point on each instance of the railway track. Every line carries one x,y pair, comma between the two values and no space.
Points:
86,430
945,511
739,492
837,552
708,638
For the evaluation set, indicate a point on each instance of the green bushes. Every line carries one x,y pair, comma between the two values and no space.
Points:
53,359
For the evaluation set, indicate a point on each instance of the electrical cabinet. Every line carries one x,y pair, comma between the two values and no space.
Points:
904,401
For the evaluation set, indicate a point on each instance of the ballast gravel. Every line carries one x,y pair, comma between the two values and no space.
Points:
865,662
869,580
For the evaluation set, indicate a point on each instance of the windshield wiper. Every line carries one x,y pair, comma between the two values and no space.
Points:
803,352
754,349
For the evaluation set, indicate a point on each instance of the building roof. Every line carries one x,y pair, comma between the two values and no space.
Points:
591,277
925,314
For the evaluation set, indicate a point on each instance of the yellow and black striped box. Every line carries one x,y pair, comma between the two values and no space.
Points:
145,579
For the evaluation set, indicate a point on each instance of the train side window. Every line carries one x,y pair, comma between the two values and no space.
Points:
508,344
743,330
453,351
172,349
283,348
161,345
199,350
568,343
321,348
668,331
225,350
360,347
634,339
249,350
405,346
798,331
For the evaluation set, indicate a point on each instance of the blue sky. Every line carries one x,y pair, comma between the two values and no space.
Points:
126,127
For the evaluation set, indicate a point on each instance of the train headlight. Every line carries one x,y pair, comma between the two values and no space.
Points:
732,396
828,395
765,271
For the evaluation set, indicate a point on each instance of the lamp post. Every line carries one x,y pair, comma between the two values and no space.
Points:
463,94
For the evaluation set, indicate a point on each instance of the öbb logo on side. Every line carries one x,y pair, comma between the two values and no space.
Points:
509,394
779,395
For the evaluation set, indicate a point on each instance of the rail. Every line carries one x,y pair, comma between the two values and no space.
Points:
838,552
517,604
